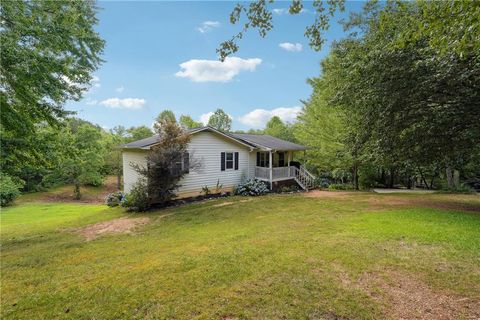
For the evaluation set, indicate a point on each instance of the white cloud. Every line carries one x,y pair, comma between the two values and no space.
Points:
207,26
259,117
292,47
127,103
120,89
206,116
214,70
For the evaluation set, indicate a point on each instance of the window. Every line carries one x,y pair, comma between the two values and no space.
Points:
263,159
229,160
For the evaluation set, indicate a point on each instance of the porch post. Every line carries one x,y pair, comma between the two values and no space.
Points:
289,160
270,161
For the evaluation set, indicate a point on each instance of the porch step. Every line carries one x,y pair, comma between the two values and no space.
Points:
301,184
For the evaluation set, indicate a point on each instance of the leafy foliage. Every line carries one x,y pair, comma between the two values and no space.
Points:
137,199
187,122
166,162
114,199
220,120
251,187
259,17
49,51
9,189
419,121
166,115
277,128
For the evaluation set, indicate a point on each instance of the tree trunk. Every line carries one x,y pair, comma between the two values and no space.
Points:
76,191
355,176
423,178
392,178
452,177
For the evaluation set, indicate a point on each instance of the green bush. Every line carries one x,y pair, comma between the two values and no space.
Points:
9,189
114,199
340,186
252,187
137,200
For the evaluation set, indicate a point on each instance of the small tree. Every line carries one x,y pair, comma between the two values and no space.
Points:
83,158
167,162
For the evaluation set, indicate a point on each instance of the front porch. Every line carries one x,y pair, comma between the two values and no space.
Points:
273,166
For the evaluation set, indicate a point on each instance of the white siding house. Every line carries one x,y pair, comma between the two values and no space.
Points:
223,158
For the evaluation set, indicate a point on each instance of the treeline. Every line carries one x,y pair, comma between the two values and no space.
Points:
398,101
75,151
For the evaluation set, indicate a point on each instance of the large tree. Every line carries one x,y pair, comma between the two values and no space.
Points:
187,122
220,120
48,54
277,128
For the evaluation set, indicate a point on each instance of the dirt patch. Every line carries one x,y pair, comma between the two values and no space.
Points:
435,203
121,225
405,296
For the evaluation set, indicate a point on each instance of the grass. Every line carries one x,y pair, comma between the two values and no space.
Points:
279,256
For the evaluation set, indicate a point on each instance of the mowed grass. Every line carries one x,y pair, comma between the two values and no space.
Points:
278,256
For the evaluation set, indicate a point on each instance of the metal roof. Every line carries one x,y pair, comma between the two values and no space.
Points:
261,141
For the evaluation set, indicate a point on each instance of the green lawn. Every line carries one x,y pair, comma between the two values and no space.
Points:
350,255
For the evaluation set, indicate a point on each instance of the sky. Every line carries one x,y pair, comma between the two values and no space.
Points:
161,55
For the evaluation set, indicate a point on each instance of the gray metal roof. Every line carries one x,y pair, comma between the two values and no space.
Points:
261,141
264,141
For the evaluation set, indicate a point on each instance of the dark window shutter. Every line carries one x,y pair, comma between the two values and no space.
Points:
222,159
186,162
258,159
236,160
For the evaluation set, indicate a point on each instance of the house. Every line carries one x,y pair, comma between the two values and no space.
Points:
226,158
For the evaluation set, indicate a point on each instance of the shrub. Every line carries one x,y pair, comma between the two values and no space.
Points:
252,187
462,188
206,191
340,186
137,200
321,182
114,199
9,189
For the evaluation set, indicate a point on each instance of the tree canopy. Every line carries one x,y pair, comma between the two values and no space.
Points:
220,120
391,95
49,51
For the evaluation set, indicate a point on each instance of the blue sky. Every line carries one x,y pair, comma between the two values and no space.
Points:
161,55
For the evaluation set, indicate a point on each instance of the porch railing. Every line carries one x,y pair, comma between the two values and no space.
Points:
262,173
301,175
280,173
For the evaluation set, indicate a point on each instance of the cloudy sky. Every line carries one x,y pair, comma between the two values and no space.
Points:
161,55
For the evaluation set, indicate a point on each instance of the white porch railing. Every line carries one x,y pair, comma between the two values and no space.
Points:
280,173
262,173
304,178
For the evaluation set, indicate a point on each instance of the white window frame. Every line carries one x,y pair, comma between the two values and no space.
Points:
233,160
